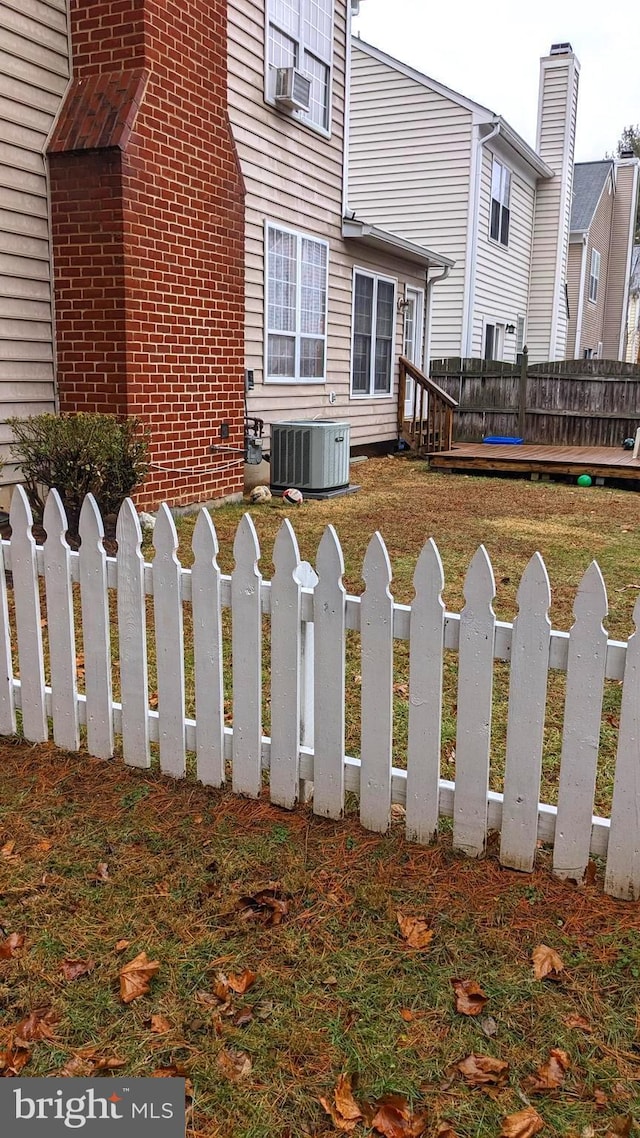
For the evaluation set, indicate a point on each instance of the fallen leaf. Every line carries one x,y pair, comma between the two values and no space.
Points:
393,1118
37,1025
153,700
346,1105
619,1126
547,965
44,845
10,946
524,1124
470,999
263,1009
415,931
243,982
172,1071
398,812
135,977
265,907
120,945
76,1068
6,851
242,1018
600,1098
483,1070
13,1060
72,969
101,874
160,1024
161,888
407,1015
550,1075
489,1026
340,1123
109,1064
234,1065
445,1130
578,1023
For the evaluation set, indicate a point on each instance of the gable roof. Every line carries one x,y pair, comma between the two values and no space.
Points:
589,180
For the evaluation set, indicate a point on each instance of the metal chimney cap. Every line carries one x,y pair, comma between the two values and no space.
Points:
560,49
627,154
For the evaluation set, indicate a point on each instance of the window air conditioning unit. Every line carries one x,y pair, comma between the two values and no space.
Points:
293,89
310,454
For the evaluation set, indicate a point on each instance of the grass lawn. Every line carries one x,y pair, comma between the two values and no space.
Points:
99,864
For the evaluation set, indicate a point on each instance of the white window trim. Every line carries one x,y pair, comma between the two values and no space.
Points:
519,350
276,379
498,338
496,240
299,116
392,281
594,276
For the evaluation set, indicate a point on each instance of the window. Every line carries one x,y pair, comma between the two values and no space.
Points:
493,341
594,275
374,307
296,307
587,354
300,34
500,195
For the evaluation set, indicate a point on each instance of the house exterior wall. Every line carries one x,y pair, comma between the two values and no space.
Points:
502,273
410,153
591,332
33,79
148,241
632,355
547,323
622,228
574,274
294,177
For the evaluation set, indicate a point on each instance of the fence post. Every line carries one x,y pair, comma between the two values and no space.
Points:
522,393
308,579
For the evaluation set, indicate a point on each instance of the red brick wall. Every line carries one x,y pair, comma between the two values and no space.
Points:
149,247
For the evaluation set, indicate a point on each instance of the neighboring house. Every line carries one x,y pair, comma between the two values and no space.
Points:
332,301
633,314
442,169
121,197
601,241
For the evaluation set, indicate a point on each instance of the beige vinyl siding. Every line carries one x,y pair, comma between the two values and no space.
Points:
574,271
617,281
34,71
632,354
293,177
409,162
592,332
547,326
502,273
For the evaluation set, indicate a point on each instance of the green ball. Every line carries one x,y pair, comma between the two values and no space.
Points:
584,480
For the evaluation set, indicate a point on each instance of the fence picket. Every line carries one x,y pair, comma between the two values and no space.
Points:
307,578
246,650
425,696
61,628
94,603
26,593
525,724
168,623
622,877
475,683
207,650
329,600
376,631
285,670
7,694
581,731
132,636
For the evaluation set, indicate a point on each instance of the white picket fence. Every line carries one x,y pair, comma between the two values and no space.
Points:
310,615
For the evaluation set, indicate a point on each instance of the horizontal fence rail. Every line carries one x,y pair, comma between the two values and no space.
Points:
310,616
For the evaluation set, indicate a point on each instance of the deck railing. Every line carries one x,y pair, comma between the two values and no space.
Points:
429,427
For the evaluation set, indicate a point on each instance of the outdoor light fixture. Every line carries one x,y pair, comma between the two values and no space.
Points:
510,329
403,303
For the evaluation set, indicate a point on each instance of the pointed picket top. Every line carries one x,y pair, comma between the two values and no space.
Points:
591,601
479,584
286,555
246,547
90,526
376,568
534,591
429,567
54,519
205,539
20,516
128,528
329,558
165,535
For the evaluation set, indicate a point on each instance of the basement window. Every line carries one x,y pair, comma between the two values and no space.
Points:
500,198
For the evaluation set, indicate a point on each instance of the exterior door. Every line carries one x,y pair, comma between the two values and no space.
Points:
412,346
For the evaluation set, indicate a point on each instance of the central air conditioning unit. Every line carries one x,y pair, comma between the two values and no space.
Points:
310,454
293,89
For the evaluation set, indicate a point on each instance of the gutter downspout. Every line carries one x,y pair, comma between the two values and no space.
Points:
577,347
472,252
429,283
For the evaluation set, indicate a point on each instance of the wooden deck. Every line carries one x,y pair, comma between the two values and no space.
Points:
600,462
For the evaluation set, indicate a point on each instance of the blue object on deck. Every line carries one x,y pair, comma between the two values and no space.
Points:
501,439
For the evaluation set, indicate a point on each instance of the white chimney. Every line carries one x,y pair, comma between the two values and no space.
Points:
555,143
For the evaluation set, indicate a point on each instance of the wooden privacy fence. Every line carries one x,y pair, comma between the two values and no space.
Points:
310,617
566,403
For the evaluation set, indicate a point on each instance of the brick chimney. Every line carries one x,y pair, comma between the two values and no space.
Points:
147,205
555,143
